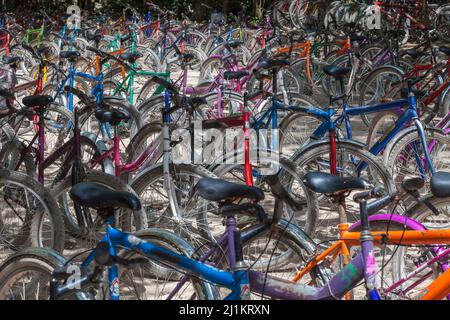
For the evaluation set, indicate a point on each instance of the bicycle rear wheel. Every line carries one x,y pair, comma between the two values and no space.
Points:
150,187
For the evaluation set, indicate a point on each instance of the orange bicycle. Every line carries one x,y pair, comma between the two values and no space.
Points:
430,248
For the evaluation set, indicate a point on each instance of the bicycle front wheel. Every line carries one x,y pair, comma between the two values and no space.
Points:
379,87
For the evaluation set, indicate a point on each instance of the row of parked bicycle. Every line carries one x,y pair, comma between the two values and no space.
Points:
409,18
145,157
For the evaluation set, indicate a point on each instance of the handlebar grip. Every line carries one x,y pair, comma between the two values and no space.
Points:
198,100
72,90
361,196
177,50
379,204
171,110
261,76
378,192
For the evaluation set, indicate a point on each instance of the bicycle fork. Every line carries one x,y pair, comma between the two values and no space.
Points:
168,182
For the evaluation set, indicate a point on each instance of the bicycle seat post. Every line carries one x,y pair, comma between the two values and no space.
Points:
340,200
41,143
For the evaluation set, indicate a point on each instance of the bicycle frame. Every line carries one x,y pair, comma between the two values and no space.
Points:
63,33
72,147
40,137
148,157
438,289
97,91
218,81
305,53
235,281
5,40
239,281
429,98
95,63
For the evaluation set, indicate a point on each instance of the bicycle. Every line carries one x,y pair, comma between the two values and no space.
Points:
240,281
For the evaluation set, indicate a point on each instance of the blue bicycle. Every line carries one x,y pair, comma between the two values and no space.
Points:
337,154
171,269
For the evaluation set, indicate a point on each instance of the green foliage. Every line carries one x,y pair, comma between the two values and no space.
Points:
190,7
